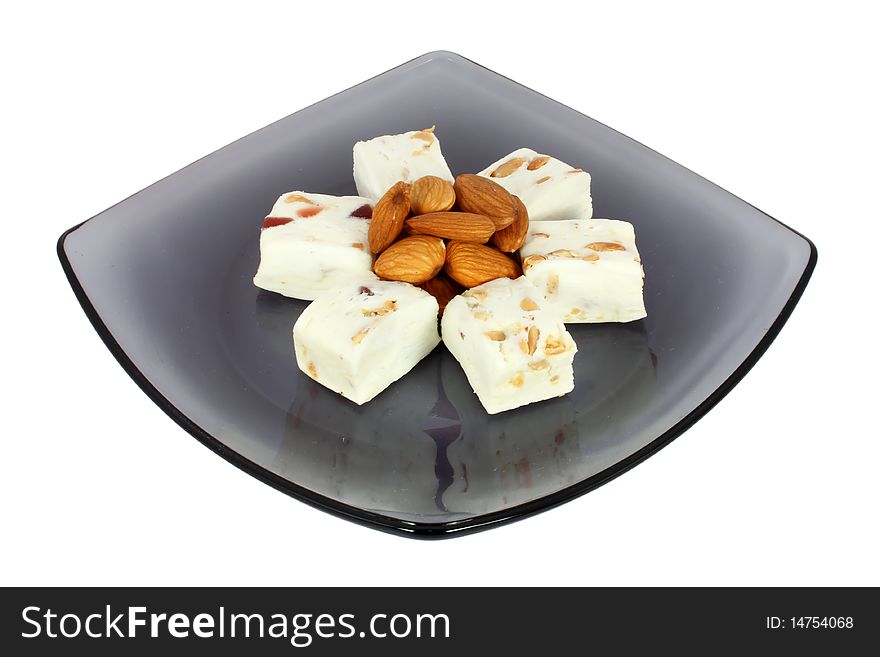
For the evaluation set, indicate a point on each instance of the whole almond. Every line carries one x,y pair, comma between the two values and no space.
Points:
483,196
511,238
442,288
431,194
412,260
474,264
388,216
462,226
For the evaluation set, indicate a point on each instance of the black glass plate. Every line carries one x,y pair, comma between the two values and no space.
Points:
165,277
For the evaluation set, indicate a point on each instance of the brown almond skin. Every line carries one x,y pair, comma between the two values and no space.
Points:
474,264
442,288
388,216
431,194
511,238
481,195
461,226
413,260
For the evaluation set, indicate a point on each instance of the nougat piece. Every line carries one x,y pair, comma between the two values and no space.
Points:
311,243
512,347
589,271
359,338
383,161
549,188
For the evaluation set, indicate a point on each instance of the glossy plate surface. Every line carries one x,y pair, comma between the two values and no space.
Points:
165,277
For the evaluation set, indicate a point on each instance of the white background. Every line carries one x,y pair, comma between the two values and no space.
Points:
777,485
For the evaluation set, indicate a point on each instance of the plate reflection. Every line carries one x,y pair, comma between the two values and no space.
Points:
426,450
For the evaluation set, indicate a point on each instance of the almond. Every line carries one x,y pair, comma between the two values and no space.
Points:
554,346
388,217
511,238
461,226
606,246
534,336
486,197
532,260
298,198
426,135
442,288
431,194
474,264
528,304
386,308
358,337
538,161
412,260
508,167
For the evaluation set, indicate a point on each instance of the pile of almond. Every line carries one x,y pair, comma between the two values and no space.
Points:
445,237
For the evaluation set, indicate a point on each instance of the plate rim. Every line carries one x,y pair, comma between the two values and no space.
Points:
415,529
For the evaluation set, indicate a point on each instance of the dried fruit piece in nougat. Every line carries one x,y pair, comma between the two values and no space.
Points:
310,243
383,161
358,339
590,270
549,188
513,349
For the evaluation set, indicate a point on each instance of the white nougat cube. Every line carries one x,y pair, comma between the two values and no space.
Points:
383,161
549,188
359,338
311,243
513,349
589,271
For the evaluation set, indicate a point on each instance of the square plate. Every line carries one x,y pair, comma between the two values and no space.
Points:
165,277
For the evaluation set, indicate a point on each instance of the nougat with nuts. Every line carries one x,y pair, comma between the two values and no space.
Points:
311,243
549,188
513,348
382,161
361,337
589,271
